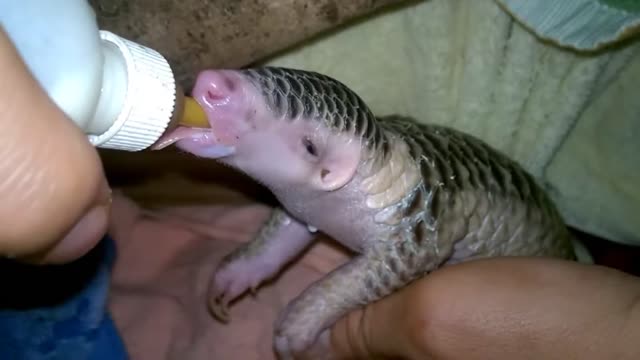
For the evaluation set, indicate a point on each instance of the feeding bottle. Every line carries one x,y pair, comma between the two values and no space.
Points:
121,94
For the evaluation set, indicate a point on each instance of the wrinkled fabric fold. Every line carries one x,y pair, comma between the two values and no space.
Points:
584,25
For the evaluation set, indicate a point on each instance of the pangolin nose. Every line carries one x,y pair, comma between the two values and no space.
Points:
216,87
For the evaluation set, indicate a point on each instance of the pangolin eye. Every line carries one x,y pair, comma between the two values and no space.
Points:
309,146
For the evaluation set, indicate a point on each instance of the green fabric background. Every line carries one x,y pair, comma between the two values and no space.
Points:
628,5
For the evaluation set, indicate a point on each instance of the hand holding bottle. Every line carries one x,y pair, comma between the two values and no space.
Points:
55,199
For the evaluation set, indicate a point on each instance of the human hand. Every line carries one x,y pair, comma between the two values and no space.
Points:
508,308
55,199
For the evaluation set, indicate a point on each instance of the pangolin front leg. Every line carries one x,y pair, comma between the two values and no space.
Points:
379,271
278,241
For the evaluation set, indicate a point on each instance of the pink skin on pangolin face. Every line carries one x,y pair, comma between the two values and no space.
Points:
244,134
223,103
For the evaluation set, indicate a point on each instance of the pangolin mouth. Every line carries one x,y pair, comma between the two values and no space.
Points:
198,141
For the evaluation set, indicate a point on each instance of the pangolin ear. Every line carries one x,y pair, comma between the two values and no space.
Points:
337,166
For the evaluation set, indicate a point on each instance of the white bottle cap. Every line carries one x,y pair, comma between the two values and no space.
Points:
149,100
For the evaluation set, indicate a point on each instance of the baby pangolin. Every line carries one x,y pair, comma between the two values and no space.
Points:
406,197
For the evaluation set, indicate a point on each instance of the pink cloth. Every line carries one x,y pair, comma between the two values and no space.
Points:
165,262
164,265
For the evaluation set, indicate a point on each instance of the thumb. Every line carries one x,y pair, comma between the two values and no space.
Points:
54,194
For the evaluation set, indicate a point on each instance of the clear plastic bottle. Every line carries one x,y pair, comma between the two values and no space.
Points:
123,95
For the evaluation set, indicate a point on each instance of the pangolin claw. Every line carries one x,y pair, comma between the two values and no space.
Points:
219,308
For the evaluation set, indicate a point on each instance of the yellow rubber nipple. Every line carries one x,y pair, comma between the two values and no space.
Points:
193,115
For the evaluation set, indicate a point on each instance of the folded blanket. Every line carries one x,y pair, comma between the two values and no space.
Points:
578,24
